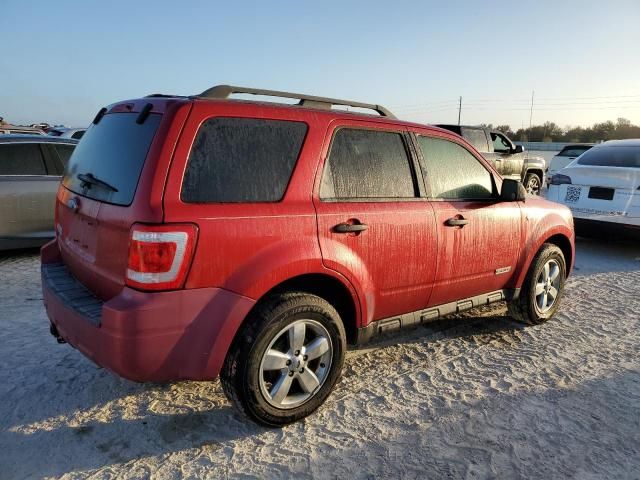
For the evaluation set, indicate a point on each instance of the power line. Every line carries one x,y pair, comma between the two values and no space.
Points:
569,101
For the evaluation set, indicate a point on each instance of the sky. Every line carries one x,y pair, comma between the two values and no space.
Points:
62,61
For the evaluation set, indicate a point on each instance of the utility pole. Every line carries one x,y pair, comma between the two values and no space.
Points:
531,114
459,109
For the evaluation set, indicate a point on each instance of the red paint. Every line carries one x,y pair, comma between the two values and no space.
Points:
406,260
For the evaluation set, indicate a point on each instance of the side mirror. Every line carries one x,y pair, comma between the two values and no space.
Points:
518,149
512,191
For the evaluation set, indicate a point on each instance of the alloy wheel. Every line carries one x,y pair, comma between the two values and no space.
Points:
533,185
548,286
296,364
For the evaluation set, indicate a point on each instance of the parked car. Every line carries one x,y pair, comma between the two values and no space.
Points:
204,236
17,130
31,167
508,159
565,156
602,188
64,132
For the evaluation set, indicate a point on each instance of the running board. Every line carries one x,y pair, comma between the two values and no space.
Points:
380,327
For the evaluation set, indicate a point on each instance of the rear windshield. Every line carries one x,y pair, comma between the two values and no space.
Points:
106,165
628,157
573,151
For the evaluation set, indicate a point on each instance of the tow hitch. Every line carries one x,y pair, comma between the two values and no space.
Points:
54,332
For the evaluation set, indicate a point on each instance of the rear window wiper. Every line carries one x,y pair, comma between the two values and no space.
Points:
89,178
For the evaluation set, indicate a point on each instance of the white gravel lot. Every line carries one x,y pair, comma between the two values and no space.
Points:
474,397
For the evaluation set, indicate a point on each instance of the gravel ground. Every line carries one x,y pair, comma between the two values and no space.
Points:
478,396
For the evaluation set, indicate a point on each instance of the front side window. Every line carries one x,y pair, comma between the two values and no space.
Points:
242,160
452,172
500,144
21,159
367,164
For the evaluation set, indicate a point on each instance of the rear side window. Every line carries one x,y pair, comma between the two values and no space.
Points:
477,138
242,160
113,153
64,153
572,151
21,159
628,157
452,172
367,164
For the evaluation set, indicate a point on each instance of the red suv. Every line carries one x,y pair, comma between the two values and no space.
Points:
204,236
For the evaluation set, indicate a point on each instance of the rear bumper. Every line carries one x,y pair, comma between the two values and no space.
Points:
159,336
608,230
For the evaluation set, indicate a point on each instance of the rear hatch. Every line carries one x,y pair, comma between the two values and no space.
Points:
598,190
114,178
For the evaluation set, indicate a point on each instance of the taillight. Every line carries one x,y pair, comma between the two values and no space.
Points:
559,179
160,255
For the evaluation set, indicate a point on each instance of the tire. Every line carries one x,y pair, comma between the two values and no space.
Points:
532,183
253,367
530,308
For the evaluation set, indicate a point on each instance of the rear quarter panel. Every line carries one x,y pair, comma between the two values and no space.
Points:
248,248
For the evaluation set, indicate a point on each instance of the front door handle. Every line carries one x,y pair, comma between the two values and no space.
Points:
350,228
456,222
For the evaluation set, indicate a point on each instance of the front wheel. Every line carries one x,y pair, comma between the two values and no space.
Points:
286,359
542,289
532,183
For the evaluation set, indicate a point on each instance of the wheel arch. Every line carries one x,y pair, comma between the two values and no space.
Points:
336,291
536,171
556,237
564,244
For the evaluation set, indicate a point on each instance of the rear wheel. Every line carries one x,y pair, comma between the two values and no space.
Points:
286,360
532,183
542,289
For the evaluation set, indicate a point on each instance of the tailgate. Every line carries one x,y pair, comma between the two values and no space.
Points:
108,186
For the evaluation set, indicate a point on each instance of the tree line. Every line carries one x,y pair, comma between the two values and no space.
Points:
552,132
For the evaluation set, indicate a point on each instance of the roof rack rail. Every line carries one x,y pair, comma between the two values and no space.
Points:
224,91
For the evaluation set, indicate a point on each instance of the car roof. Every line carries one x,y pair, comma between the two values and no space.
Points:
449,126
332,113
161,103
18,138
631,142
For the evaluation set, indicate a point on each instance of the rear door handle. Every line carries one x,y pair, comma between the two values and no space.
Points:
350,228
456,222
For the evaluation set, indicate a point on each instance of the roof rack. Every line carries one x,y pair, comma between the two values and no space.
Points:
224,91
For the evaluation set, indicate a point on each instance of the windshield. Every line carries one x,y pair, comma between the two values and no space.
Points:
111,154
619,156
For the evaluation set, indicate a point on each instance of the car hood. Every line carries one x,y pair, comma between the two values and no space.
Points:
611,177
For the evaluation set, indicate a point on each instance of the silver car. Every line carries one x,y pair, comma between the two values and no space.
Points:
64,132
31,167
